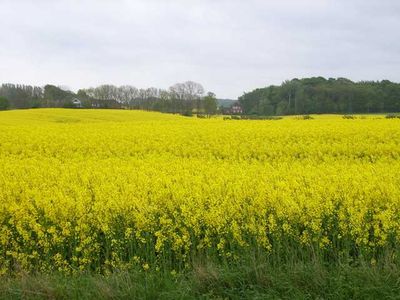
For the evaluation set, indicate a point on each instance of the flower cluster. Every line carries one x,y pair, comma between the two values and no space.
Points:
103,190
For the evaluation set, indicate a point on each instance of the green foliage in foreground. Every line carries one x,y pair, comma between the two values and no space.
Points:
210,281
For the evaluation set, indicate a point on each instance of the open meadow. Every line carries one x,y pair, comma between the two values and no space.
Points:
106,192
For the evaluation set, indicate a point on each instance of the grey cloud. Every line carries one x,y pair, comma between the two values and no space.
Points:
228,46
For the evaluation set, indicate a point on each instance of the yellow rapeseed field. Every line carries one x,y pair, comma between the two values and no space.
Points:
100,190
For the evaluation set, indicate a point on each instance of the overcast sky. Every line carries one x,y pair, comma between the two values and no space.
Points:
228,46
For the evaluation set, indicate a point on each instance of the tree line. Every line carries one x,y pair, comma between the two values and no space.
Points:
297,96
318,95
184,98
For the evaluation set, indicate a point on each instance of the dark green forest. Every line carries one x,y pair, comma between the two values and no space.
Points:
318,95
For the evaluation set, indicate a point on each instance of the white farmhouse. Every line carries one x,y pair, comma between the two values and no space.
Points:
76,102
